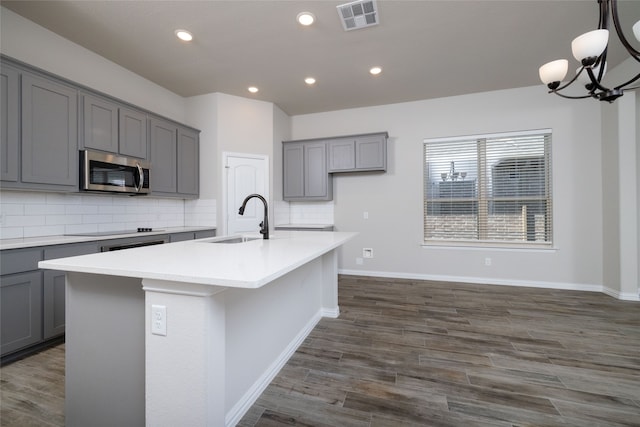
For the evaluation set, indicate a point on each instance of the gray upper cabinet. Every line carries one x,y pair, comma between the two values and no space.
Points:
175,159
133,133
188,162
109,126
305,175
163,156
358,153
100,124
49,134
9,131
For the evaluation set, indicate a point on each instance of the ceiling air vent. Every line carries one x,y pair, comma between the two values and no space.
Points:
358,14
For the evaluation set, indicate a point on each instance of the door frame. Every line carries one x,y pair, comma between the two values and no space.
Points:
225,172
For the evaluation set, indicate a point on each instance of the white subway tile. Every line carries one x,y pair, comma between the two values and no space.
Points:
24,220
12,233
49,230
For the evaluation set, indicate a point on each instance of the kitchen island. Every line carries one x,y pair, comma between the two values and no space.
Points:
190,333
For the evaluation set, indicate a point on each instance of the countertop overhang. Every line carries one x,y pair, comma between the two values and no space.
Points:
250,264
30,242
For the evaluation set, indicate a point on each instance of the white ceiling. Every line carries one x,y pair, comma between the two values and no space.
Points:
427,49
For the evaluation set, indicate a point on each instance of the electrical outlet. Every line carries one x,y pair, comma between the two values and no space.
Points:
367,253
359,261
159,320
487,261
365,215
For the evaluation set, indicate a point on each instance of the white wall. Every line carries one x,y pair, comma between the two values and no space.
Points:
28,42
394,199
621,181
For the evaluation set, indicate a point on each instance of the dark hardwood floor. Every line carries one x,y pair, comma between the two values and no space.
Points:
415,353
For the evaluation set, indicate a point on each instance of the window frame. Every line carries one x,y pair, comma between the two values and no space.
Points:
483,188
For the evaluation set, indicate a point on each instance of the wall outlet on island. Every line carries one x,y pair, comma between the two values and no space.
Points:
359,261
487,262
159,320
367,253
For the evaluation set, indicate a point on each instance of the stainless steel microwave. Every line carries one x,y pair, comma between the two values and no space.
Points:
108,172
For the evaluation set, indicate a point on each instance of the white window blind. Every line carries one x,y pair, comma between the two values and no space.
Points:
492,189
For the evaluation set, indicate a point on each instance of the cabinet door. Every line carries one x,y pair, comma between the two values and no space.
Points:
100,124
188,162
371,152
342,155
133,133
20,311
53,311
49,133
163,157
9,110
53,301
293,170
316,176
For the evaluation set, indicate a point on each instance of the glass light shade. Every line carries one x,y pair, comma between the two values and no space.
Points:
306,18
184,35
584,79
590,44
636,30
553,71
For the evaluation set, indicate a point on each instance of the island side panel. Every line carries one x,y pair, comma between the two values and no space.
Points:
105,360
330,306
185,369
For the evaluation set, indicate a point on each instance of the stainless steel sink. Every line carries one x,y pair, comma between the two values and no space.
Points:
234,239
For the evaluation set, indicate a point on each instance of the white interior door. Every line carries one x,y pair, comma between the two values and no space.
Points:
245,174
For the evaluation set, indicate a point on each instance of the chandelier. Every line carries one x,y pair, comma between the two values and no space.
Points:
590,49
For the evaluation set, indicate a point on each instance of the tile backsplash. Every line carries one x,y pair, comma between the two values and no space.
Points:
311,212
33,214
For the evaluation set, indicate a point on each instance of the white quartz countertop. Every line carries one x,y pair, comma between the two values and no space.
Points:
249,264
304,226
30,242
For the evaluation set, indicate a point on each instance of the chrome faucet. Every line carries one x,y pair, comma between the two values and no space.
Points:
264,225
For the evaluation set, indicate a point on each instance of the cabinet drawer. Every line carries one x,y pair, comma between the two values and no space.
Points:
19,260
63,251
205,233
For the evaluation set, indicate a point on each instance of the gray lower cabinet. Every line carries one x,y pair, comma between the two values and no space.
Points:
175,159
305,175
49,126
20,299
21,315
191,235
9,131
53,292
111,127
358,153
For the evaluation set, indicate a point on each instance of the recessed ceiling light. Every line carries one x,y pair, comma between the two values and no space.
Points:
309,80
305,18
375,70
252,89
184,35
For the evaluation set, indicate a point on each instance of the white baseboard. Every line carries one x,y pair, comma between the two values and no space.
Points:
477,280
333,313
625,296
236,413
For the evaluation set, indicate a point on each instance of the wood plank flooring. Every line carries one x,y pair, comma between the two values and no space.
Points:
411,353
415,353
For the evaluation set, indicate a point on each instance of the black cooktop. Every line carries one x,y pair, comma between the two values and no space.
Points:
115,233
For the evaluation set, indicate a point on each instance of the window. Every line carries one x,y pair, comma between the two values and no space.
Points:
489,189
